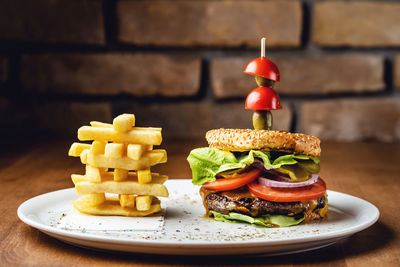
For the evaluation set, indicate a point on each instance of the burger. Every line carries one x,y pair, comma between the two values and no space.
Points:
263,177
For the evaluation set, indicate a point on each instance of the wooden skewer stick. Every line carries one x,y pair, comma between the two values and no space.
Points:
263,46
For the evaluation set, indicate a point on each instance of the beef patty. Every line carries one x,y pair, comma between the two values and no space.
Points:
242,201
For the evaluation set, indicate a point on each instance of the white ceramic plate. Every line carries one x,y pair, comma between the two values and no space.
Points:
187,231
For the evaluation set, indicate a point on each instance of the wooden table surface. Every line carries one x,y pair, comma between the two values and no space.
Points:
366,170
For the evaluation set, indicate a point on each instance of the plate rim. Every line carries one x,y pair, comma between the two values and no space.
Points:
191,244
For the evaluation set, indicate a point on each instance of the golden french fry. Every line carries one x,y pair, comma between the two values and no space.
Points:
84,156
121,187
144,136
76,149
121,163
94,199
164,157
109,176
135,151
147,129
77,178
150,158
144,176
143,203
98,147
120,174
127,201
156,155
101,124
112,207
93,174
114,150
124,122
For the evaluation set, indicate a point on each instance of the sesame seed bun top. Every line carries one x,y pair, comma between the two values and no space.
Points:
247,139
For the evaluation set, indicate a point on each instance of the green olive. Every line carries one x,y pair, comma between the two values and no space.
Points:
309,166
261,81
262,120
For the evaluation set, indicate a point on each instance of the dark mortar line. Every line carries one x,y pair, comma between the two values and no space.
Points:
306,27
204,86
115,109
12,85
294,118
195,48
4,85
204,94
309,51
382,93
314,97
339,49
34,47
388,73
110,22
48,97
209,53
113,45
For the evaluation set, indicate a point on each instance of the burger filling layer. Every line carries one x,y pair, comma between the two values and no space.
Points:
242,201
267,188
208,164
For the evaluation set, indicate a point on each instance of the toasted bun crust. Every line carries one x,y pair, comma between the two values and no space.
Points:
246,139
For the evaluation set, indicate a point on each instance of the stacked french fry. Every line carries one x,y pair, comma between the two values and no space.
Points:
118,162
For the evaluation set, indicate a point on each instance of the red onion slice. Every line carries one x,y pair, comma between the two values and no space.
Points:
272,183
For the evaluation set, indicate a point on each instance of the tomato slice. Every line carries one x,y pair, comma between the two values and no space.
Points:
263,67
276,194
225,184
263,98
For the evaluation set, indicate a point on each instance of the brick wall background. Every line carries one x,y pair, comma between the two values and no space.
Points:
179,65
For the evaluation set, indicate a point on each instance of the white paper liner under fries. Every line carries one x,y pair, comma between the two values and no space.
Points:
74,220
118,161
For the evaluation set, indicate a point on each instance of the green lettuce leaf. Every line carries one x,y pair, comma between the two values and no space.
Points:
207,162
264,221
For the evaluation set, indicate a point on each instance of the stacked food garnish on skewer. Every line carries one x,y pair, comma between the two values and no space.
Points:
269,178
263,98
118,162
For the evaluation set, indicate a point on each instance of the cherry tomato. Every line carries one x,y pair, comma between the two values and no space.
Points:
263,98
225,184
263,67
276,194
